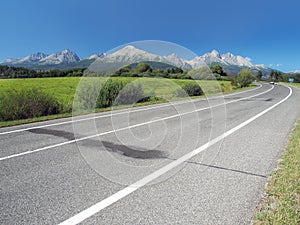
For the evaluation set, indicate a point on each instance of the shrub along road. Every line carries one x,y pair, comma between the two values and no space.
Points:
47,177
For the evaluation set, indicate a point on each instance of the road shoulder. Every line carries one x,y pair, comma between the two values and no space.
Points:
281,202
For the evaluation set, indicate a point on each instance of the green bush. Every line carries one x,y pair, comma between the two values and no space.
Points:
245,78
190,89
108,93
234,82
115,92
27,103
131,94
86,96
226,87
112,92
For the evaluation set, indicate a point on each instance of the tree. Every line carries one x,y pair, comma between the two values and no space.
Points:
245,78
177,70
125,69
190,89
218,70
143,67
131,94
272,75
275,75
259,75
278,76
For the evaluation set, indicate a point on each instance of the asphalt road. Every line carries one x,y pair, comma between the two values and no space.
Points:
191,162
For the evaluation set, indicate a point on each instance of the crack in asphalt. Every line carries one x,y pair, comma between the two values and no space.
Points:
228,169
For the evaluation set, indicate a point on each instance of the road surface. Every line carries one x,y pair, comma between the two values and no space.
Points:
191,162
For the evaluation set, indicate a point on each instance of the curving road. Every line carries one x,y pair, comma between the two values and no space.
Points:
191,162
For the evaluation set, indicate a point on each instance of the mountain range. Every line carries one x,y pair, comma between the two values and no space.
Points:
295,71
129,55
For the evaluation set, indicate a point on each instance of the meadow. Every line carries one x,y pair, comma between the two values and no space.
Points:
64,89
297,85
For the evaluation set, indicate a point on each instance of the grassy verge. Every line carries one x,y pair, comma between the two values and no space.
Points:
292,84
282,204
64,90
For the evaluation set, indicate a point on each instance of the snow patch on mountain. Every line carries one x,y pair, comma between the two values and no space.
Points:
97,56
173,59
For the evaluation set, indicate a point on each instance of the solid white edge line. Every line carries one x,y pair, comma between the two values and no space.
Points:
122,112
133,187
125,128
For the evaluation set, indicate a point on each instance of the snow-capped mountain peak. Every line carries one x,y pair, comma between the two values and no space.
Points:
65,56
131,54
261,66
175,60
34,57
131,51
236,60
122,57
172,56
214,53
210,57
295,71
10,61
227,55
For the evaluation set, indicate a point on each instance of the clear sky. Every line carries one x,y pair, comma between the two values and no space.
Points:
267,31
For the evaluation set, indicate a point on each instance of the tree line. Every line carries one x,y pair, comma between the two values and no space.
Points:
142,70
21,72
139,70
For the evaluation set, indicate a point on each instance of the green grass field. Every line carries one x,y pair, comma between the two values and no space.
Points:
62,87
65,88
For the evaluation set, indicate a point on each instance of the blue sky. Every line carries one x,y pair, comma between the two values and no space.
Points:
266,31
